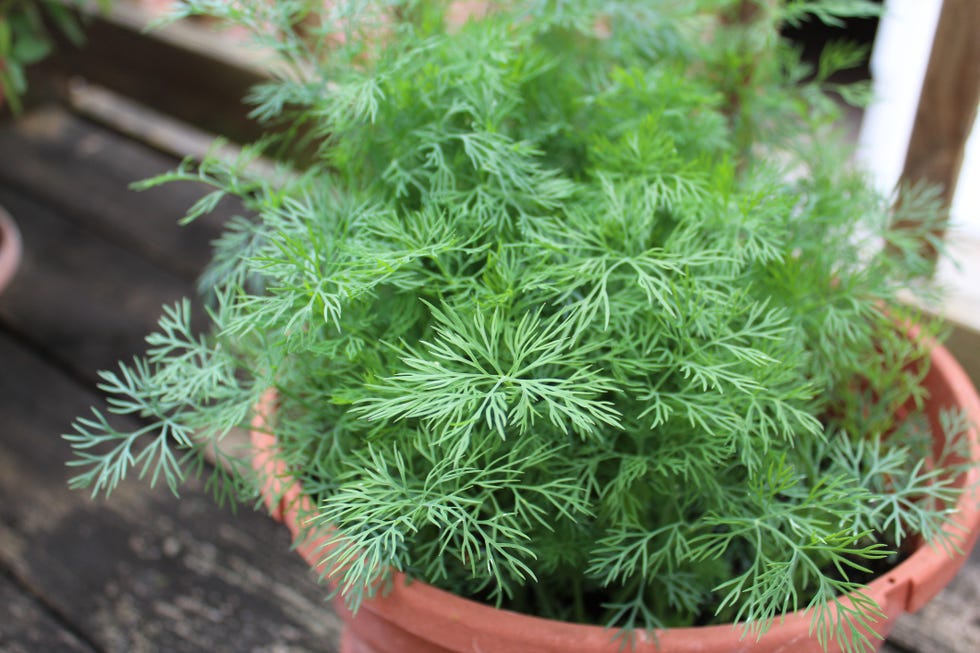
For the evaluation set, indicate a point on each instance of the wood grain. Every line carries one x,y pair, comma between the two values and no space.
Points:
176,71
84,173
948,101
143,571
27,627
86,302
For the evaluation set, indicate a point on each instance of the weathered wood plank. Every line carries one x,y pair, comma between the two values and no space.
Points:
26,627
99,260
179,70
948,101
84,172
85,301
144,571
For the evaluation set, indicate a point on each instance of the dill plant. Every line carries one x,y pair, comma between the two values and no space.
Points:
574,307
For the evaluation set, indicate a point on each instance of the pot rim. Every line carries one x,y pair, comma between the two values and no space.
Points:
418,607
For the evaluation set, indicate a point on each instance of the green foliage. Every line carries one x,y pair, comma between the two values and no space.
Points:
25,39
578,310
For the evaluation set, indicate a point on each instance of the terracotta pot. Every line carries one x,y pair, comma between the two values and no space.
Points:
10,248
415,617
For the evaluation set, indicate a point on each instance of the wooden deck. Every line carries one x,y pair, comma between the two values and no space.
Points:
144,571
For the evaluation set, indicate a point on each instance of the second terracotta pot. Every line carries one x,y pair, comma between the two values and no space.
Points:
10,248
